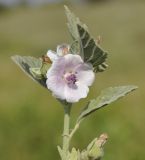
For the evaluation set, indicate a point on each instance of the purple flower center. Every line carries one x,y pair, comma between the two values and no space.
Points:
70,78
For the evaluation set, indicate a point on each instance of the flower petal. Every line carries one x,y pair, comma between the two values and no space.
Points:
57,68
75,93
52,55
56,85
71,61
71,92
55,81
85,74
56,89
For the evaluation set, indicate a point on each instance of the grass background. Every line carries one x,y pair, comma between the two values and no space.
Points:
31,120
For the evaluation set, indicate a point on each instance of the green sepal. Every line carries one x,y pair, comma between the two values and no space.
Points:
74,154
84,155
45,67
93,151
91,144
36,72
106,97
61,152
96,153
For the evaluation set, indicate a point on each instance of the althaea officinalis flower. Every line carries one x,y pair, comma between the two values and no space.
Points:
68,77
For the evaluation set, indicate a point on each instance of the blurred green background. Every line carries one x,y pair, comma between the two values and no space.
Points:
31,120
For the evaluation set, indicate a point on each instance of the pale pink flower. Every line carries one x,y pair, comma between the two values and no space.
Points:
69,78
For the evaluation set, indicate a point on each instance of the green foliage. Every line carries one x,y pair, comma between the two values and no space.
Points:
25,137
44,68
84,45
36,72
73,30
72,21
94,150
92,53
106,97
96,153
31,66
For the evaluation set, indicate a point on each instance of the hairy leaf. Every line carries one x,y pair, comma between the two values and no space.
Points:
72,23
27,63
73,30
83,44
91,52
106,97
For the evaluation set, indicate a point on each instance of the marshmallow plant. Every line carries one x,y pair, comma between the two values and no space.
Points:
67,74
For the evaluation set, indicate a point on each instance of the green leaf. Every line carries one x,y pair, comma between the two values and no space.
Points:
73,30
91,52
72,23
83,44
27,64
34,68
106,97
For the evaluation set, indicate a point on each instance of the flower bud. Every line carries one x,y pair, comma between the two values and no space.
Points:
96,151
63,49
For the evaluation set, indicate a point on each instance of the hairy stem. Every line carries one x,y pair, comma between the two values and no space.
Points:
67,110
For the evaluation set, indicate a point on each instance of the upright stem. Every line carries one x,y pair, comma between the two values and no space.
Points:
67,110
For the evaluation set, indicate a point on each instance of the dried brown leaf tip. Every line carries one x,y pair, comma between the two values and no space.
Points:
46,59
102,140
99,40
